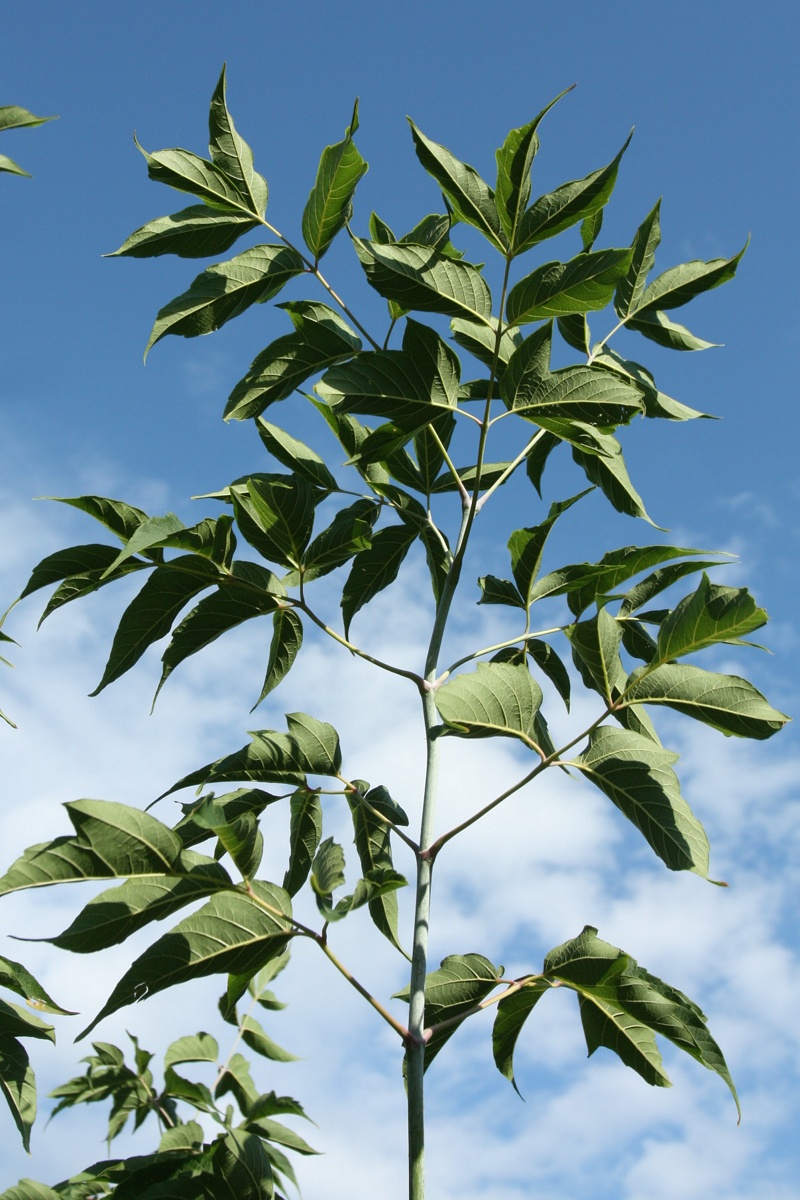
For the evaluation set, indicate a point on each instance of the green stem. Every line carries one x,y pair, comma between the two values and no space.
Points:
522,637
400,1029
549,761
415,1043
510,468
376,662
314,270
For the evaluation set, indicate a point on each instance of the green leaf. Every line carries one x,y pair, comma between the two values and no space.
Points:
379,231
630,288
18,1085
374,569
349,532
226,608
294,454
480,338
656,403
281,507
595,647
574,328
659,581
461,982
199,1047
409,386
657,327
76,561
321,338
150,535
577,394
495,700
327,871
188,1136
238,836
724,702
7,164
287,638
590,229
526,546
230,933
18,979
121,518
16,1022
429,447
538,456
420,277
225,290
711,614
557,289
623,1007
638,777
274,1131
609,473
679,285
372,838
29,1189
14,117
311,747
229,808
194,232
512,1013
231,154
514,161
499,591
186,172
241,1168
330,203
550,665
568,204
470,197
151,613
111,917
254,1037
305,832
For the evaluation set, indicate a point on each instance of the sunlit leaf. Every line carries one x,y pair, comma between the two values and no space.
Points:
231,153
638,777
18,979
470,197
18,1086
287,638
724,702
231,932
711,614
514,161
320,339
421,278
512,1013
557,289
330,204
496,699
194,232
305,834
225,290
568,204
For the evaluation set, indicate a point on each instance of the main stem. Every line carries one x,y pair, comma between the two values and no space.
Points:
415,1043
415,1046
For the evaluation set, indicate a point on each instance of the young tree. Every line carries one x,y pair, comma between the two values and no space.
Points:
429,407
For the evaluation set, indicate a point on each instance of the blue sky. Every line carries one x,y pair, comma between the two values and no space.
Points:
712,91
